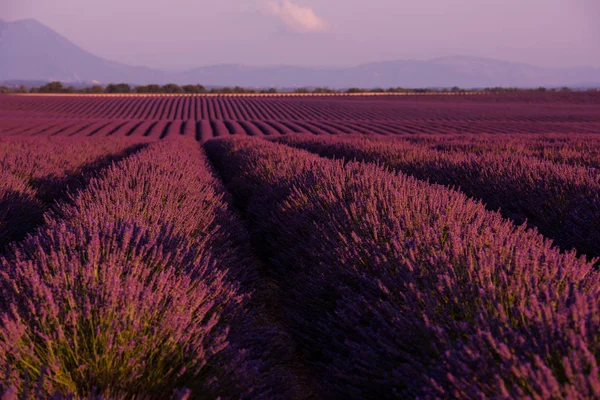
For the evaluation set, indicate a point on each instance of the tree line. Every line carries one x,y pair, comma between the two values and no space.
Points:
172,88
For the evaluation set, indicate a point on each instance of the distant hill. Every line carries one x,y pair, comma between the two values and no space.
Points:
466,72
31,51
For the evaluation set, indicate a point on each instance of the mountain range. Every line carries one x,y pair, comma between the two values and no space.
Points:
32,51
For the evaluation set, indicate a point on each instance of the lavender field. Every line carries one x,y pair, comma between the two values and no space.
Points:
300,247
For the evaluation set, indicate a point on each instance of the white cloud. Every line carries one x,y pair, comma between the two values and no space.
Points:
297,18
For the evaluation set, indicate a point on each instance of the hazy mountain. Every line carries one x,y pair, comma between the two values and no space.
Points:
32,51
443,72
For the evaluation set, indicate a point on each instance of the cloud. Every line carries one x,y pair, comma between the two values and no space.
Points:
299,19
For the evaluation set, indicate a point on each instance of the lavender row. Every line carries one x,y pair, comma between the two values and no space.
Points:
531,109
46,163
395,288
139,287
561,201
35,173
573,149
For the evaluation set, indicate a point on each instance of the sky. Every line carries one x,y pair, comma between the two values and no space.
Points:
180,34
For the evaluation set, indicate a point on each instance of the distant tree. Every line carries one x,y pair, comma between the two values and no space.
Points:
117,88
6,90
96,89
272,90
226,90
52,87
322,90
565,89
171,88
355,90
455,89
302,90
189,89
396,90
377,90
141,89
153,88
239,89
194,89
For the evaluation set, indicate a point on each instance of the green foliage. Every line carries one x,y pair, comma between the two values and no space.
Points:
118,88
223,90
323,90
171,88
148,89
194,89
396,90
53,87
95,89
502,90
355,90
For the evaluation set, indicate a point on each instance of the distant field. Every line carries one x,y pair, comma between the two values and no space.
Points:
216,116
300,247
282,94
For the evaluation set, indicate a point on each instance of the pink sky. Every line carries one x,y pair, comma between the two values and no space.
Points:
185,33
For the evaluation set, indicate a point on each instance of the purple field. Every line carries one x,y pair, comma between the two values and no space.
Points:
300,247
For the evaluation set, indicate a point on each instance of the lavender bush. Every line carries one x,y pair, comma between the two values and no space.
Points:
397,288
38,172
561,201
573,149
19,208
139,287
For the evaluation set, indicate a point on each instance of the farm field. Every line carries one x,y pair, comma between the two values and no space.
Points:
301,247
215,116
